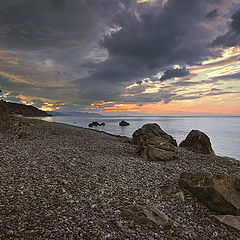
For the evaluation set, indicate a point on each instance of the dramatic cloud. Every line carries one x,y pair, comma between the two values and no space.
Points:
232,37
32,25
163,37
149,40
174,72
88,52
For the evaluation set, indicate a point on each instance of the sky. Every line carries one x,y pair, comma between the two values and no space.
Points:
159,57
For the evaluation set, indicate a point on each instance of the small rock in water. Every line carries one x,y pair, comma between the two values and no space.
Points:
124,123
95,124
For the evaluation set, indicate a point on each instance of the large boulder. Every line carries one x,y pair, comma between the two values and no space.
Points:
154,144
220,193
150,130
156,149
197,141
124,123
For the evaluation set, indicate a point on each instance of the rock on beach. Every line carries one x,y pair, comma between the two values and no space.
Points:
198,142
218,192
153,144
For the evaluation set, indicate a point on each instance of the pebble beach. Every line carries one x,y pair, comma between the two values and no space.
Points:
59,181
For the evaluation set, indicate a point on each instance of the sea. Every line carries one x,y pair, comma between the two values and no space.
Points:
223,131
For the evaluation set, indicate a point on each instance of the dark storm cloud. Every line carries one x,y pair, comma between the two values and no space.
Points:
174,72
60,35
164,38
149,42
107,45
232,37
49,23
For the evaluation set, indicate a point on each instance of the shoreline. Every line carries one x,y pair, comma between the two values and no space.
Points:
95,129
62,181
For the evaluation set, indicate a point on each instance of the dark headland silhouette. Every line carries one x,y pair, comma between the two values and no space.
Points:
21,109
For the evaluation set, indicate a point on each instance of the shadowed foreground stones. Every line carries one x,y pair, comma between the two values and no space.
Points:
197,141
218,192
147,216
154,144
124,123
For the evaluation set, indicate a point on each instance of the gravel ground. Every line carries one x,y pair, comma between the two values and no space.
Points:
63,182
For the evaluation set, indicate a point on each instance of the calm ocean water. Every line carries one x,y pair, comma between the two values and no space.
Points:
224,132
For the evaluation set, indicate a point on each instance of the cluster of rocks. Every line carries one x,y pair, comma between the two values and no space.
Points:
95,124
220,193
156,145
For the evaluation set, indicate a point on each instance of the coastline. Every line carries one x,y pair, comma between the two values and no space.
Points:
223,133
67,182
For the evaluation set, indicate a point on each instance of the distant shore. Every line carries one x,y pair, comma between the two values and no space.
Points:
66,182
